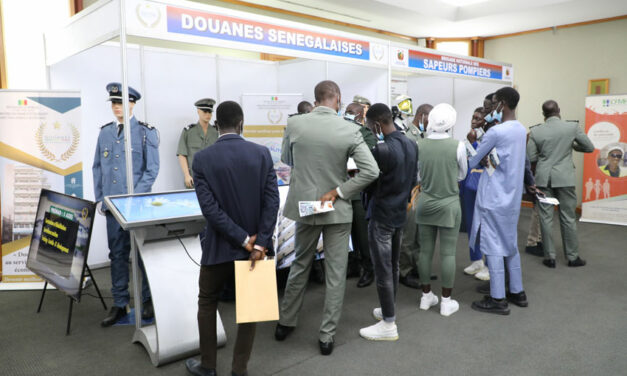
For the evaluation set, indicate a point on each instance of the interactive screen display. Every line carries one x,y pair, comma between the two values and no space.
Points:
156,207
60,240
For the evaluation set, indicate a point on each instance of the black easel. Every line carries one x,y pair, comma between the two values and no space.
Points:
69,317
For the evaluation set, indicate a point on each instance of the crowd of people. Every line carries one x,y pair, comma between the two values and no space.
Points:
395,189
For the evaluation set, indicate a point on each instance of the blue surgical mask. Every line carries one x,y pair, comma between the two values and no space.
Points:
380,136
421,126
349,117
498,116
489,117
339,108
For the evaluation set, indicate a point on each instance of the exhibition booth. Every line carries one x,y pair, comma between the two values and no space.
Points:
179,51
176,52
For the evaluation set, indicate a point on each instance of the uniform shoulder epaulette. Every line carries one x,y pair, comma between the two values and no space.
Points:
292,115
190,126
111,123
146,125
535,125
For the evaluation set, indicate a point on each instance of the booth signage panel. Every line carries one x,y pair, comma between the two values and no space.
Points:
40,141
605,169
266,119
457,65
167,21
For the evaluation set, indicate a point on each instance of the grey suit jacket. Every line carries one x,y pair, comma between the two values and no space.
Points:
317,146
551,144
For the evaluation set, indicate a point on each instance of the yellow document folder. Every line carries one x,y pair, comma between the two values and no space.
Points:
256,297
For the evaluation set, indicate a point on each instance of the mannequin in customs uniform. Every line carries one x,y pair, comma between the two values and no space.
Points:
196,137
109,170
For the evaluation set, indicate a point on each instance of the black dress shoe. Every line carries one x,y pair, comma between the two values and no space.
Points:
115,314
326,348
282,331
549,263
576,262
410,281
366,279
148,311
239,374
491,305
520,299
195,368
535,250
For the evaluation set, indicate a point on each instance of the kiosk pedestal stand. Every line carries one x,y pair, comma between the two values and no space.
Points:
165,228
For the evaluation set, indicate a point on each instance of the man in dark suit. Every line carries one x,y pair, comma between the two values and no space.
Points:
237,190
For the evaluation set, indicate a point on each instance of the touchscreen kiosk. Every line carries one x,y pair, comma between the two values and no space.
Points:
165,228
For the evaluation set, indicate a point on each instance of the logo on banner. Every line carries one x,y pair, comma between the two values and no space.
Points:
275,116
57,143
148,14
613,102
378,52
22,102
400,57
508,73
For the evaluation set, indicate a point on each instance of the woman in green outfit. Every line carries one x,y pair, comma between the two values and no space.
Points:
442,163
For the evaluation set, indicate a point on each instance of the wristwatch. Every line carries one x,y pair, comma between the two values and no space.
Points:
245,243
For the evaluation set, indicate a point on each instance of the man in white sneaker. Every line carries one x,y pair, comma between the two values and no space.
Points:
387,200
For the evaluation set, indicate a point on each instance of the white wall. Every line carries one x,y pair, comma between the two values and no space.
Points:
557,65
171,82
301,76
368,82
24,23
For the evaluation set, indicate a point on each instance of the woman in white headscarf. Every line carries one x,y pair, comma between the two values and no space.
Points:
442,163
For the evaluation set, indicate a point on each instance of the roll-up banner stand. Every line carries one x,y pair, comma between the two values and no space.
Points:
605,169
40,141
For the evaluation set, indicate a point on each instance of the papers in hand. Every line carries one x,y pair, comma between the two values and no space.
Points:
548,200
306,208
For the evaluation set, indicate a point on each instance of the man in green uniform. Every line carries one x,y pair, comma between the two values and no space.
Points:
410,248
196,137
317,145
551,144
362,101
359,260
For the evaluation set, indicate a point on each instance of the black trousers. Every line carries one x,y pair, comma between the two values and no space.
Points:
210,283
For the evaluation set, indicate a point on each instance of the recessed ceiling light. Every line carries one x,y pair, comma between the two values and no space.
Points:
462,3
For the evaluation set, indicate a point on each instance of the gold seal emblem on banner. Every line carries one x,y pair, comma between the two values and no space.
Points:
57,143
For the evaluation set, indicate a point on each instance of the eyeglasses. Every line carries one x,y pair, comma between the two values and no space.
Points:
617,156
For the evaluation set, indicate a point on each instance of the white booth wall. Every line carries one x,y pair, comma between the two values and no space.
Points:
170,84
463,94
301,76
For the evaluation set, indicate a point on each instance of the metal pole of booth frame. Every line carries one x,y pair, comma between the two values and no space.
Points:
137,298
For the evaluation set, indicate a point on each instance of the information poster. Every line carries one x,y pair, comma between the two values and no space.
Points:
605,169
40,142
265,119
60,241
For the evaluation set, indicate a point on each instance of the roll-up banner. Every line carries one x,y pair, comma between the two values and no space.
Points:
40,141
605,169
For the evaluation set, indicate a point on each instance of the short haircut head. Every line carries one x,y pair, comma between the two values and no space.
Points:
379,112
550,108
489,96
424,108
304,107
229,115
479,110
326,90
355,109
509,96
